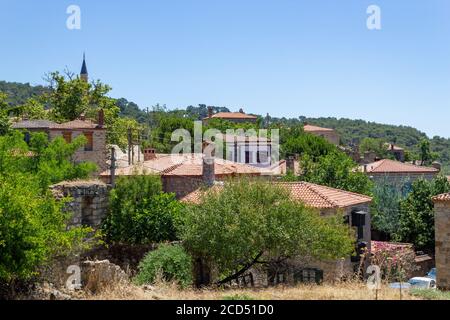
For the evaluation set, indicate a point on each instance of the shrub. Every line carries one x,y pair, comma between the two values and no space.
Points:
140,212
170,261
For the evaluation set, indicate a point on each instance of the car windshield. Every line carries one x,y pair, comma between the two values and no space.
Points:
418,283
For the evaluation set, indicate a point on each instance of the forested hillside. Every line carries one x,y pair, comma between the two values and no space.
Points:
19,93
352,132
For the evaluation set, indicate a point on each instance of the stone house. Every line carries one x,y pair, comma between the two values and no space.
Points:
329,134
396,172
183,173
396,151
95,149
442,231
328,201
253,150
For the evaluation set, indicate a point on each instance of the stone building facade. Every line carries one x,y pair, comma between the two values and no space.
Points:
329,134
89,201
95,149
442,230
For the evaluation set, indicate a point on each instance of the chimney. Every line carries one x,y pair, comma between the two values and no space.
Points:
101,118
82,117
241,110
149,154
392,146
290,166
208,164
365,168
210,112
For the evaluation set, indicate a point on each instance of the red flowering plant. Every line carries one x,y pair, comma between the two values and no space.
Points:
396,260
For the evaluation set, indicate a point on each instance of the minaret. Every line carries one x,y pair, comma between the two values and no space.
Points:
84,72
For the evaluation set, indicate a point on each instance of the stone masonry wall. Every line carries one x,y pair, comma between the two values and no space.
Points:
89,204
442,225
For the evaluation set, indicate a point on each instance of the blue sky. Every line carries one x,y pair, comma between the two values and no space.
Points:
287,58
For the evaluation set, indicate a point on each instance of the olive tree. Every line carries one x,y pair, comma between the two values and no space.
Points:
249,220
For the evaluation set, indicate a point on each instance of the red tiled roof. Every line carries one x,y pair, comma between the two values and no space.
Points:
184,165
231,115
310,128
312,195
442,198
391,166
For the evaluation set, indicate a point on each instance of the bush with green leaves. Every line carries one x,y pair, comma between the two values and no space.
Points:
249,222
140,212
33,227
171,262
416,219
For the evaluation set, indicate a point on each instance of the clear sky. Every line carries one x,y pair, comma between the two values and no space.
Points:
287,58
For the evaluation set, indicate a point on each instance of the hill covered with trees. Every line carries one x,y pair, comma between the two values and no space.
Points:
352,132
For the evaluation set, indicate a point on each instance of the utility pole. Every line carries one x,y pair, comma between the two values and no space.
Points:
129,145
113,167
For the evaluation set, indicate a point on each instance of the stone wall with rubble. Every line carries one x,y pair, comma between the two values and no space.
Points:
442,254
89,201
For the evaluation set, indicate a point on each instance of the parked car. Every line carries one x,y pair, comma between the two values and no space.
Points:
422,283
432,274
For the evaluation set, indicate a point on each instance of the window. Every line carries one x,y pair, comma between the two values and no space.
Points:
67,135
90,141
262,157
308,275
248,157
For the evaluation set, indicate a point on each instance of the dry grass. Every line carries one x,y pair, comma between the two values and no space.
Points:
164,291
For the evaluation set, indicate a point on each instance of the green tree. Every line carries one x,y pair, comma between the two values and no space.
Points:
335,170
33,228
374,145
249,222
426,156
416,221
4,114
140,212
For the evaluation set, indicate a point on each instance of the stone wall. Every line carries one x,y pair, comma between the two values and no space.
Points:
89,203
442,254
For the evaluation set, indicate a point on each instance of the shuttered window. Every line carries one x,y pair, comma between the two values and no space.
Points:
90,141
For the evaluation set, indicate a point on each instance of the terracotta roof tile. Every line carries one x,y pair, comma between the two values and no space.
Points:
312,195
391,166
442,198
231,115
184,165
311,128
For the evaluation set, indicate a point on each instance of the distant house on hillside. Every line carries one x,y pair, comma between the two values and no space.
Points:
237,117
329,134
95,133
328,201
397,172
396,151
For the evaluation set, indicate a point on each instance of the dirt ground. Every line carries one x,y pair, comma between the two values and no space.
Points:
345,291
